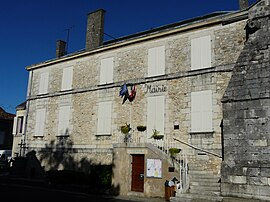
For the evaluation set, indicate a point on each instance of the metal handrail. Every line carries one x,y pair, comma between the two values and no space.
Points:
196,148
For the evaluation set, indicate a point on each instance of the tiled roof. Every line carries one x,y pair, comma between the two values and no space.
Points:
5,115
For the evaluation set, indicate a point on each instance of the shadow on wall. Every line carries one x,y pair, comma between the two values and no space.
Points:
82,174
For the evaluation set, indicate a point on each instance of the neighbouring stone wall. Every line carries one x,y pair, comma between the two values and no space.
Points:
246,112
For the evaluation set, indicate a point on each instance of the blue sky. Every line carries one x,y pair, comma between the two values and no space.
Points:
29,30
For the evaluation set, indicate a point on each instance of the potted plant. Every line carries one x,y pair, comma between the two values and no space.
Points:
174,151
156,135
125,128
141,128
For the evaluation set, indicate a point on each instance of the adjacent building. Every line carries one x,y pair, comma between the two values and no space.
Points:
6,125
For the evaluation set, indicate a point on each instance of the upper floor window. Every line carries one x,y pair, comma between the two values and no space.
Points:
106,70
156,61
40,122
64,120
18,125
67,78
104,118
201,111
200,52
43,83
155,114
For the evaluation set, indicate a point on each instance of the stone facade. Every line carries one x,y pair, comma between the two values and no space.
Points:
130,65
246,167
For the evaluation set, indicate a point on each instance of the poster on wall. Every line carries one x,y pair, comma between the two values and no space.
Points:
154,168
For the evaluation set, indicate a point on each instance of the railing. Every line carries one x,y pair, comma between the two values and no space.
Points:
179,160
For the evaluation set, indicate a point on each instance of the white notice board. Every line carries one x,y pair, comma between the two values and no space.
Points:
154,168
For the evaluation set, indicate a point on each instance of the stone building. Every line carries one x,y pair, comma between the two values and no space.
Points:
246,166
180,73
19,130
6,124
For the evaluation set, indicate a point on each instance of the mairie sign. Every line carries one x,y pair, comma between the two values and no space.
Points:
155,88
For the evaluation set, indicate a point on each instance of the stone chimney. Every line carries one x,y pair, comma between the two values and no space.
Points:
243,4
95,29
60,48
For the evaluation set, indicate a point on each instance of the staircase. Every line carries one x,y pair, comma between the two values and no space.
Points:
203,186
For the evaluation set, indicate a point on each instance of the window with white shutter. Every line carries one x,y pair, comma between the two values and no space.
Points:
156,61
40,122
201,52
155,114
43,83
201,111
67,78
104,118
106,70
64,121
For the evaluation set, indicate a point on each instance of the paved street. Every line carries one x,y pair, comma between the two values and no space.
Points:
16,193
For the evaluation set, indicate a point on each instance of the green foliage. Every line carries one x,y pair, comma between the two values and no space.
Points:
141,128
174,151
125,128
156,135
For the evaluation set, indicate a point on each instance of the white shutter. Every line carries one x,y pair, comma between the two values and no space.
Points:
40,122
206,51
63,120
43,83
151,116
104,118
201,52
106,70
195,54
14,131
201,111
151,62
109,70
156,61
160,113
196,106
67,78
160,60
207,111
155,114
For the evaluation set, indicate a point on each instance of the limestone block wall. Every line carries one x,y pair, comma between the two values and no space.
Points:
131,66
246,166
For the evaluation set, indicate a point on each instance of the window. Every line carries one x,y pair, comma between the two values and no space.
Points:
155,114
106,71
104,118
18,125
63,121
156,61
201,111
201,52
43,83
40,122
67,78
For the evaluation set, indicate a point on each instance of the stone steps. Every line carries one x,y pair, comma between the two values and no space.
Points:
203,186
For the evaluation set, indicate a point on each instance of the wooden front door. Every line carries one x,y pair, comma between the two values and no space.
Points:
137,180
